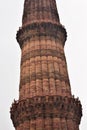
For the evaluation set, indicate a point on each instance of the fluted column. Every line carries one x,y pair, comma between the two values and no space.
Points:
42,39
43,64
40,11
45,99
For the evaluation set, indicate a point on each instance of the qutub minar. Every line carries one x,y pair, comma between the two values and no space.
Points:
45,99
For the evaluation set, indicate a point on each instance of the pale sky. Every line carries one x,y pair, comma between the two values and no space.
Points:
73,15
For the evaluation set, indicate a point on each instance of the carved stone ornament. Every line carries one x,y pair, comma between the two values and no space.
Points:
46,106
41,29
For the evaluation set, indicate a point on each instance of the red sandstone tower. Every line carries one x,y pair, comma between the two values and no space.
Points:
45,99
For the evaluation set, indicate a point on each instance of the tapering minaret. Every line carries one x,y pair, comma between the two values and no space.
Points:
45,99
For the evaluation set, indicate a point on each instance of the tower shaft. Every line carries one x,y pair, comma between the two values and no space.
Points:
45,99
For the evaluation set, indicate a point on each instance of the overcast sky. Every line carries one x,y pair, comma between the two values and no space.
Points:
73,15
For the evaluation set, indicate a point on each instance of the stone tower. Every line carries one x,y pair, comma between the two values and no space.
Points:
45,99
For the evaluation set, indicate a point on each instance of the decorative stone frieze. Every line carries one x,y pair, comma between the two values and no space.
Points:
46,107
41,29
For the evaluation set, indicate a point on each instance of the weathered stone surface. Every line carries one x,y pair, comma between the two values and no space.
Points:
43,29
45,99
52,108
40,10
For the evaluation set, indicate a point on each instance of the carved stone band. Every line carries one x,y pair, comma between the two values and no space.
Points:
40,76
43,52
41,29
46,106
